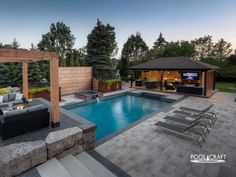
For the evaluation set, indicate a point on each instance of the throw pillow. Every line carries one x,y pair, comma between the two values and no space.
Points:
5,98
18,97
11,96
1,99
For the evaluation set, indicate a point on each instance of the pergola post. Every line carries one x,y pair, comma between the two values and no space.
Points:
25,79
54,82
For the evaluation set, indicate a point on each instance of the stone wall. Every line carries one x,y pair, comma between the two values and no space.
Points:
75,79
19,157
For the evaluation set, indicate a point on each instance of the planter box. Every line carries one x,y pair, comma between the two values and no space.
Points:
45,95
103,87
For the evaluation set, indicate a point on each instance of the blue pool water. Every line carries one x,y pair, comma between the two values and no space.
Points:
113,114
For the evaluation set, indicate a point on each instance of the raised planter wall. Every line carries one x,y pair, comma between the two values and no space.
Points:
103,87
45,95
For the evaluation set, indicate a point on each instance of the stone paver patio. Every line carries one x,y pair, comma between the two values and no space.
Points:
146,151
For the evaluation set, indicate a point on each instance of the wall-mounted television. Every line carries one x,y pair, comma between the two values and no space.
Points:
190,76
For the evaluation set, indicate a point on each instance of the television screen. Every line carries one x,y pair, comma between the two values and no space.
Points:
190,76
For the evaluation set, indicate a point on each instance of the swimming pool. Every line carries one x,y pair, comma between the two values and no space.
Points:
115,113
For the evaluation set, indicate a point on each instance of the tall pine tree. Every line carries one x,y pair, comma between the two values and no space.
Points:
101,47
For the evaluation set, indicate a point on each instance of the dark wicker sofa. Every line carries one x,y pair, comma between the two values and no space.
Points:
22,121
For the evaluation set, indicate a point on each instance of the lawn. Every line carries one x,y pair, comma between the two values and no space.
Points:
226,87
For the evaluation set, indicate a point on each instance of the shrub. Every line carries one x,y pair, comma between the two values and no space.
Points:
112,81
34,90
4,91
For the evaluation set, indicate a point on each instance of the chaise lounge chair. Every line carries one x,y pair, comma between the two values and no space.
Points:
206,112
186,121
185,131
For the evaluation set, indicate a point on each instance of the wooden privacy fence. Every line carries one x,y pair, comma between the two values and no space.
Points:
75,79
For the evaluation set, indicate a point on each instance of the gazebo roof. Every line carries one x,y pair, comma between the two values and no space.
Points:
174,63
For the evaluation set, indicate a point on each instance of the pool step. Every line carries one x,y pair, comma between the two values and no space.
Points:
83,165
75,167
52,168
94,166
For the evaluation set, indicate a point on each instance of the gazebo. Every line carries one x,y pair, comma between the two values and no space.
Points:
177,74
25,56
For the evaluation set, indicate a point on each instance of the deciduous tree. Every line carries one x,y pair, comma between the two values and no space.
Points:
59,39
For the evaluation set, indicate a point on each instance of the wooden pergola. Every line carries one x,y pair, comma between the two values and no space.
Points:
26,56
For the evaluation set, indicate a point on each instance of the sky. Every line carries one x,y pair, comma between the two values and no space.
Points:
27,20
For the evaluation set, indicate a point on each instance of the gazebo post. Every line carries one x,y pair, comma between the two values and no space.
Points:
54,82
25,79
205,83
161,80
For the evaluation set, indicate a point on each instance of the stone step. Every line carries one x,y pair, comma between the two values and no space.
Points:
52,168
75,167
94,166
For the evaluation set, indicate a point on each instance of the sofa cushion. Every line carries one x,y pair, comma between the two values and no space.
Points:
19,97
34,108
11,96
1,99
14,112
17,102
5,98
3,104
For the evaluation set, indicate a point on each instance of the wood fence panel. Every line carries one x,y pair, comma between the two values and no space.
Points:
75,79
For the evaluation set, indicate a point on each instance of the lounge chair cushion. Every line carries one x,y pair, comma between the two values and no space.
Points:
19,97
14,112
11,97
3,104
180,129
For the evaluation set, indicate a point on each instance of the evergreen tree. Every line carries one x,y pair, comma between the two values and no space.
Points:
15,44
77,63
62,62
59,40
101,47
160,42
153,53
71,61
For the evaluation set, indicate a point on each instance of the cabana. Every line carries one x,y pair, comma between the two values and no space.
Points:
25,56
176,74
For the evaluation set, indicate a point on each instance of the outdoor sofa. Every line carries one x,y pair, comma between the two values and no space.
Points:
14,98
17,122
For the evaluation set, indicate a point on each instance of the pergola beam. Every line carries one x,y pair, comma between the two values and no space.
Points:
12,55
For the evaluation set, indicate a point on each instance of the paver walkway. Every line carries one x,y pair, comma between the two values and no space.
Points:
147,152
